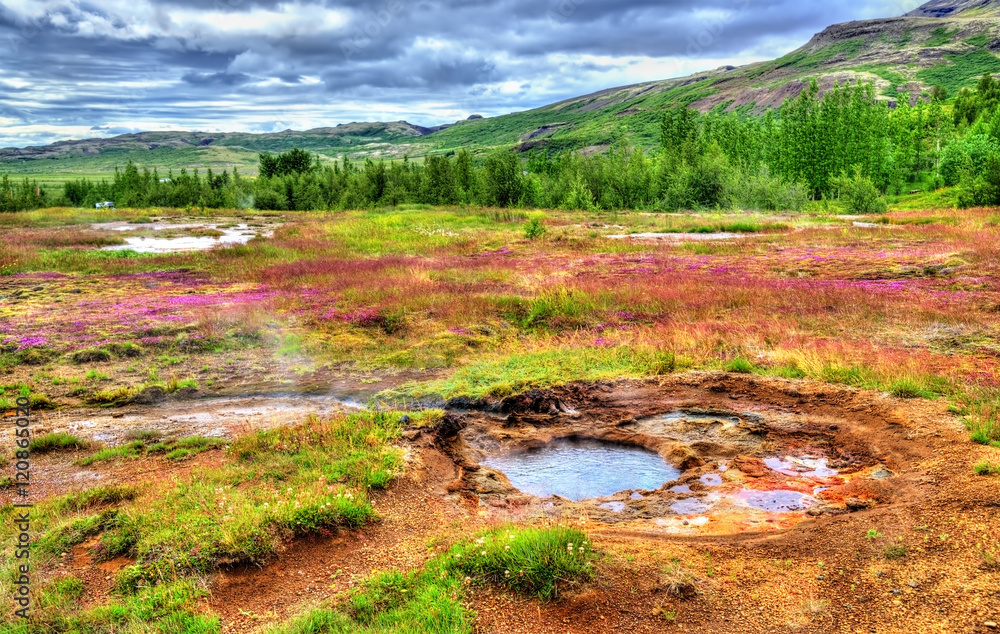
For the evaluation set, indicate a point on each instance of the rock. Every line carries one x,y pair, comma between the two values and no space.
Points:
404,419
411,434
751,467
685,458
856,504
76,291
913,584
38,288
814,511
881,473
896,591
820,578
990,624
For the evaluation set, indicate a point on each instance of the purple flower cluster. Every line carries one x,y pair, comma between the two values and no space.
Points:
364,317
30,342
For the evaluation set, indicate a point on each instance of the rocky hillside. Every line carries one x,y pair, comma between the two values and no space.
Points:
947,43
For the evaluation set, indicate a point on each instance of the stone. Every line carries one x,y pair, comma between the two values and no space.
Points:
411,434
751,467
856,504
913,584
990,624
685,458
881,473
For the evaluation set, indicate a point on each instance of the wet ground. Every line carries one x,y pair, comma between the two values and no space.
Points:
225,417
181,234
677,461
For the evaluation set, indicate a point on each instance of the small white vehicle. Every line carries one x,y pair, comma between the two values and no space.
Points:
107,204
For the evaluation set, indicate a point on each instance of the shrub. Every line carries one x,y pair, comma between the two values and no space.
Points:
985,468
534,228
967,154
41,401
858,193
90,355
740,366
124,349
117,396
679,582
98,496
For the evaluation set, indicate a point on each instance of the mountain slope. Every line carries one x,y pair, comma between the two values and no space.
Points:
948,43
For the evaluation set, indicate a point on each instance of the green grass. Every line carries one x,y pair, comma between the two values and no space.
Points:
56,441
985,468
740,366
507,375
742,226
531,562
176,449
129,450
979,40
911,388
963,71
274,485
171,608
94,375
940,37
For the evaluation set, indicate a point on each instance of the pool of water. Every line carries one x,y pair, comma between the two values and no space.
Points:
805,467
241,234
777,501
711,479
231,233
582,469
690,506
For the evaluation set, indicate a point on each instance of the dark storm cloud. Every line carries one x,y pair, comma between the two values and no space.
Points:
70,68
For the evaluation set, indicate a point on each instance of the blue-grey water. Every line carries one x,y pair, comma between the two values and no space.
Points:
582,469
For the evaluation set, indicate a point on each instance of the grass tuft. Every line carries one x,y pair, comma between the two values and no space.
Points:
57,441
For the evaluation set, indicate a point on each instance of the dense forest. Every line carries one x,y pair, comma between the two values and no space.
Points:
844,145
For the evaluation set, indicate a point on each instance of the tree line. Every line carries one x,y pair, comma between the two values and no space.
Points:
845,144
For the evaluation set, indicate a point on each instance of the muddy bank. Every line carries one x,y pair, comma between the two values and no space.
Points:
225,417
751,454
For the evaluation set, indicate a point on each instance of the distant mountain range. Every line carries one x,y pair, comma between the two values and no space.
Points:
948,43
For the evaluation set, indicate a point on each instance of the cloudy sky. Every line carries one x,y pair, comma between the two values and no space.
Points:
89,68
